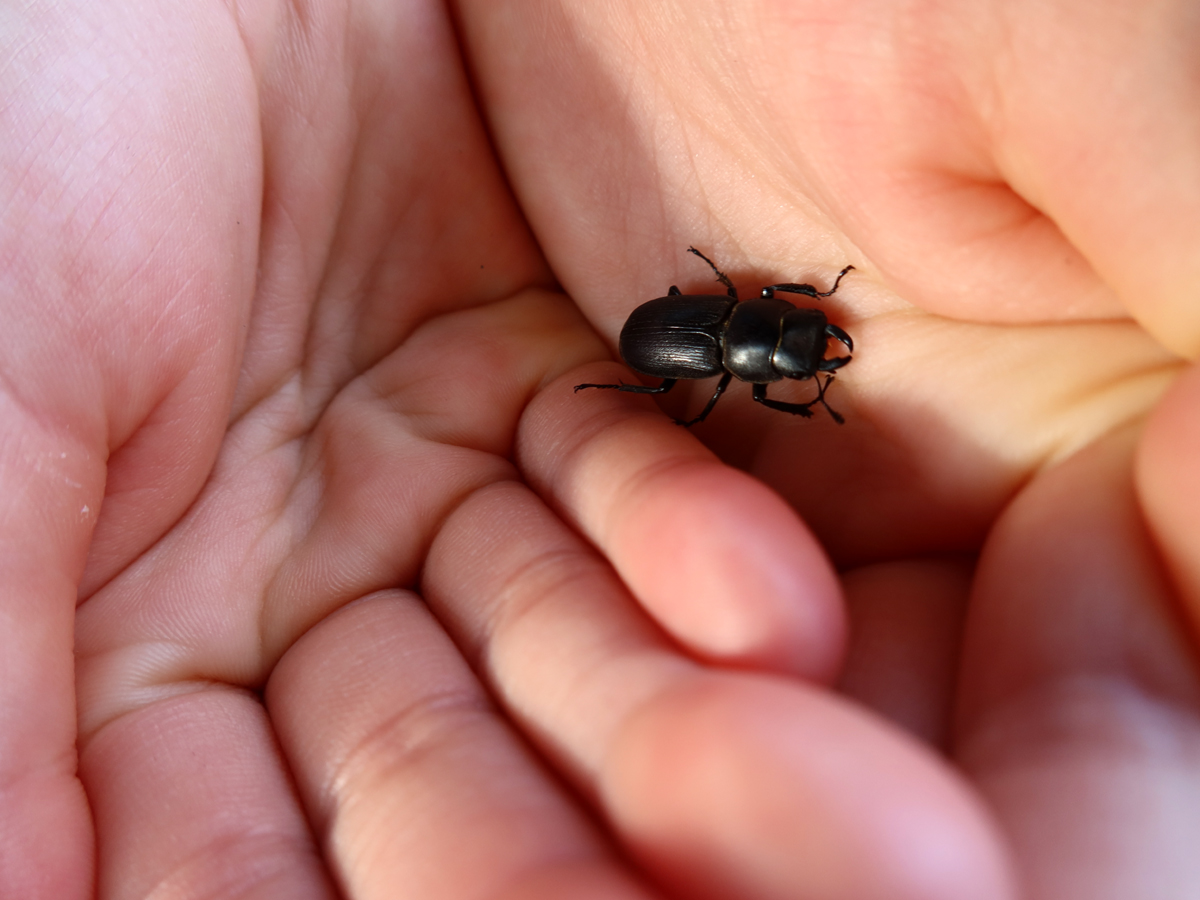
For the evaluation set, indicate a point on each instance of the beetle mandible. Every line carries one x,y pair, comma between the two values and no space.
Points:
760,341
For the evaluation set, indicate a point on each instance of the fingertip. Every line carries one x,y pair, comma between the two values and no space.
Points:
730,570
718,559
746,786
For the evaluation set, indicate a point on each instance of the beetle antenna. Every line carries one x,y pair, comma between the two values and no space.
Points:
721,276
836,282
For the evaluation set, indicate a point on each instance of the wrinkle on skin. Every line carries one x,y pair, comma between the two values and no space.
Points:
285,297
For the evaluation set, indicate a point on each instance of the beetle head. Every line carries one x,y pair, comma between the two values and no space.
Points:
801,343
801,350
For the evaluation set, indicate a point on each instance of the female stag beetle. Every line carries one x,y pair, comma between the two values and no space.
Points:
760,341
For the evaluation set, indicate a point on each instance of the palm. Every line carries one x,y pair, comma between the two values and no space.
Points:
398,369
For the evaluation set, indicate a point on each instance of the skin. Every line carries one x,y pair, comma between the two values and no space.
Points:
318,580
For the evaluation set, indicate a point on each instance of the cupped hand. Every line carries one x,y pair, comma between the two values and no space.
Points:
319,578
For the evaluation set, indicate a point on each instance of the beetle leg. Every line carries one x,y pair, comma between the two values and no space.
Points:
821,388
666,385
674,291
799,409
721,276
712,401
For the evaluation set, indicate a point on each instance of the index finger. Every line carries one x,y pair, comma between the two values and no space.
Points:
717,558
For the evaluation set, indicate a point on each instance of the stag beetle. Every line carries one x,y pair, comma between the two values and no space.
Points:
760,341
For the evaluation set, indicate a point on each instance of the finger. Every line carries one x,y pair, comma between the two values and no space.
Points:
191,800
722,784
1080,704
718,559
975,159
416,784
1168,479
1132,207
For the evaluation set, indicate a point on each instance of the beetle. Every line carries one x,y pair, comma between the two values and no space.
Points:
760,341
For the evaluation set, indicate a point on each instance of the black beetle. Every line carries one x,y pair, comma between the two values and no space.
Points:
760,341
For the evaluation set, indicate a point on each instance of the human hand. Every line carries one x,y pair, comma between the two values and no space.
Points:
218,232
1025,178
379,382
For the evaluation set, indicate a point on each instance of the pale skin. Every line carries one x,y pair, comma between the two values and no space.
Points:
318,580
